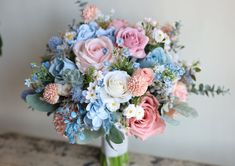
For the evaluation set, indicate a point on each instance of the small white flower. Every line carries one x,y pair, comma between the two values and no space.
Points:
139,113
113,106
98,75
69,36
133,111
159,69
91,96
154,23
158,35
129,112
147,19
92,86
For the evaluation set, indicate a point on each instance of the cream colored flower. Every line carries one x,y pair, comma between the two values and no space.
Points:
115,87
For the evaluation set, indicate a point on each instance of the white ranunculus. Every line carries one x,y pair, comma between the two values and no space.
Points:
158,35
115,87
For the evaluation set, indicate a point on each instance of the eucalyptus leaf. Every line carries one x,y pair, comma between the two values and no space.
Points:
36,103
185,110
116,136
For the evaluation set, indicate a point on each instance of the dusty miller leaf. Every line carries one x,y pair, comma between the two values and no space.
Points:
185,110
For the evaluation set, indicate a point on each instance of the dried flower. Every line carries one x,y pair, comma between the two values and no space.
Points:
89,13
50,93
59,123
137,85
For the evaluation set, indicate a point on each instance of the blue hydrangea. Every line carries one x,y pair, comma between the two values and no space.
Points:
59,65
155,57
106,32
54,42
73,115
136,65
87,31
97,116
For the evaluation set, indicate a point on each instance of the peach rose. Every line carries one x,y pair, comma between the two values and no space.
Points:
93,52
151,123
134,39
180,91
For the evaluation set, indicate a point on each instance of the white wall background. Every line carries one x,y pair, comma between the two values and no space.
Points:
208,33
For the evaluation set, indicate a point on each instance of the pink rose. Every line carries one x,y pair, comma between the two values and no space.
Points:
151,123
93,52
180,91
118,23
146,73
134,39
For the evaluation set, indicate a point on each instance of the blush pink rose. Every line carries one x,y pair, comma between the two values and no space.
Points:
180,91
93,52
151,123
134,39
118,23
146,73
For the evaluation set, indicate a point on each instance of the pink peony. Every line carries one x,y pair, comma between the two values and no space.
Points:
89,13
50,94
134,39
180,91
146,73
151,123
118,23
93,52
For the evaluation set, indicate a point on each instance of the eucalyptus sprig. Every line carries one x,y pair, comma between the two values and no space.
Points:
208,90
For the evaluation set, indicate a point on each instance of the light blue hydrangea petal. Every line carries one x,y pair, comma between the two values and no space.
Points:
96,122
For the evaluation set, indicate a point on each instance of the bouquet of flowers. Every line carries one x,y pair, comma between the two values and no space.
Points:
106,77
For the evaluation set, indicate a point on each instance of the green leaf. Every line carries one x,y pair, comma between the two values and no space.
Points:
109,142
185,110
116,136
36,103
197,69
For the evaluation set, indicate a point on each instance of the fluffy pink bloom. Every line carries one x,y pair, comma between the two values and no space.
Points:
137,85
151,123
50,94
180,91
118,23
89,13
93,52
59,123
146,73
168,28
134,39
